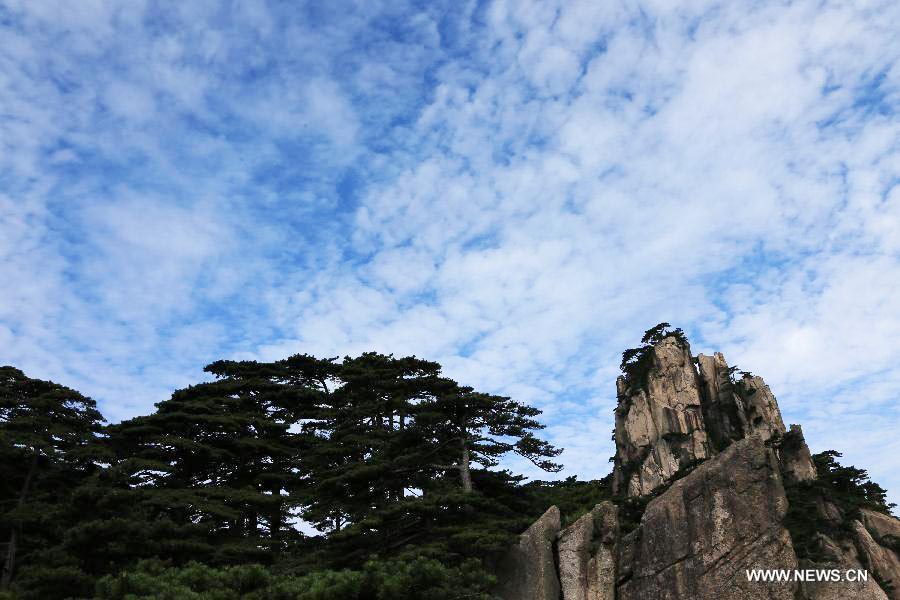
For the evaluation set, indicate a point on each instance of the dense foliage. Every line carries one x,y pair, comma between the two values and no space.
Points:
48,448
573,498
376,580
388,459
847,489
637,362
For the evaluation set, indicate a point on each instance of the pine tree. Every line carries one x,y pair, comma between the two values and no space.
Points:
222,456
396,432
363,456
391,460
478,428
48,436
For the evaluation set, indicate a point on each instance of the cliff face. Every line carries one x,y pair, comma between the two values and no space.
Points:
529,569
587,555
698,538
735,409
659,422
712,459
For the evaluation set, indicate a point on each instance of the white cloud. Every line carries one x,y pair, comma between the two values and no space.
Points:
537,183
129,101
685,179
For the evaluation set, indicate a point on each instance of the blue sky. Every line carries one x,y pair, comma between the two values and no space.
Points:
515,189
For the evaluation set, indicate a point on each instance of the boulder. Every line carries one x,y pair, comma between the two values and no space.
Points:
528,571
586,551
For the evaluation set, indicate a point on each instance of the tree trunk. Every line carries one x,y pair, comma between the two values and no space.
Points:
465,473
10,562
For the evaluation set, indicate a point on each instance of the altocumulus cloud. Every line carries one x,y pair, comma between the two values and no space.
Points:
514,189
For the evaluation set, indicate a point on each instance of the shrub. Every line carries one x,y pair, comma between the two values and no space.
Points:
418,577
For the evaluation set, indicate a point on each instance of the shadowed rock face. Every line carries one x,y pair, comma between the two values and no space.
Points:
701,533
723,410
842,555
864,544
870,546
876,558
884,529
732,411
528,572
796,461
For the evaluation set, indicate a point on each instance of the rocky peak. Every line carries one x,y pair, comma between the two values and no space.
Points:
701,534
753,503
682,410
659,419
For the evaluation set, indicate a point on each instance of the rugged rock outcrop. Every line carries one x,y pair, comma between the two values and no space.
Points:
884,529
586,550
882,561
659,421
867,545
680,414
735,408
709,457
698,539
763,416
795,458
841,556
528,572
723,410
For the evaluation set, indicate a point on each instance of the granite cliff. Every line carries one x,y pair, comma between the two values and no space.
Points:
709,484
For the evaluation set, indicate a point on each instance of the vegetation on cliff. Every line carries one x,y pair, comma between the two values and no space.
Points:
637,362
844,490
